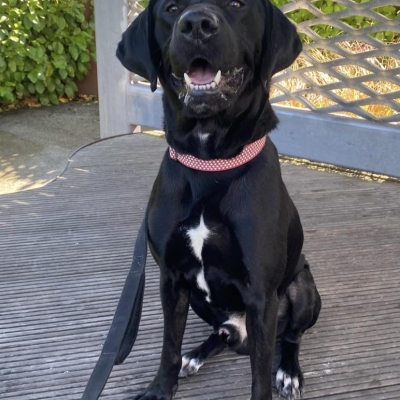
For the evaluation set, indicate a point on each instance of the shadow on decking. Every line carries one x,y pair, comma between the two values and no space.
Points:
66,248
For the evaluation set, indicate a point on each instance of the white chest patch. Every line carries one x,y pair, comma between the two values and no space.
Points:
198,236
203,285
203,137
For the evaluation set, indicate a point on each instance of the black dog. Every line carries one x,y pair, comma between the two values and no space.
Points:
227,241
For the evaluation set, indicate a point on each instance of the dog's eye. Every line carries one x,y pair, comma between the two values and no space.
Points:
172,8
235,4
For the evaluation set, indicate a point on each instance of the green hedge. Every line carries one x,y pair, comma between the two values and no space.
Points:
45,45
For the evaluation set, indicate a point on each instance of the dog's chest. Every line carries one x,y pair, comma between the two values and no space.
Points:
206,251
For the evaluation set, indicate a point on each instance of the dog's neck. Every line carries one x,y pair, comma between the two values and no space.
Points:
221,136
249,152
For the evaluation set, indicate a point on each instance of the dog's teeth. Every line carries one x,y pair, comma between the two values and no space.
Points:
187,79
208,86
217,78
191,86
196,87
213,85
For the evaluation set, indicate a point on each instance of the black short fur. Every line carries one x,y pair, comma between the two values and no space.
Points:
251,258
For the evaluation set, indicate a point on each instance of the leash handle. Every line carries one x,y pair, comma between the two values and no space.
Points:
125,325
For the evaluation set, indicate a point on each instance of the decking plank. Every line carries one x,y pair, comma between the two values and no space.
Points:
66,248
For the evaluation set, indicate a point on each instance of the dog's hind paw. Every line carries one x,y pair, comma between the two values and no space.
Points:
288,386
190,366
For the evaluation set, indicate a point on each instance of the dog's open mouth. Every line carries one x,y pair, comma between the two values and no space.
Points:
202,78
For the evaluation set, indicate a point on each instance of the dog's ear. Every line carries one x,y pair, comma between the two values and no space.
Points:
281,44
136,47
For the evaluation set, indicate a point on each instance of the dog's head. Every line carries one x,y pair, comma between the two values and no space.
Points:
208,54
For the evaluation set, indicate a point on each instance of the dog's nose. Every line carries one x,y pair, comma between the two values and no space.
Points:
198,24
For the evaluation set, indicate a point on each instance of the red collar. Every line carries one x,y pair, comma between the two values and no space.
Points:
249,152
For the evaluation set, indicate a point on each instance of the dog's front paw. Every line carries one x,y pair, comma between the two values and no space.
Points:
156,391
288,385
190,366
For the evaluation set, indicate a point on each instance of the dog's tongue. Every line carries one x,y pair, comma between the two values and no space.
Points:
201,74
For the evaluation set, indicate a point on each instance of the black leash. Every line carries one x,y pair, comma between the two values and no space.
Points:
125,325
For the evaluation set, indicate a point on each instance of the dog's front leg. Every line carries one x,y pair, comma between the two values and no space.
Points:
175,302
261,325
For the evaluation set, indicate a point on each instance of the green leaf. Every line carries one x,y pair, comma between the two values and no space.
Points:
61,22
20,88
59,61
359,19
337,8
33,76
53,98
44,99
71,71
60,89
3,64
39,86
69,91
58,48
36,75
12,65
80,17
73,85
18,76
27,22
389,36
85,57
41,40
31,88
40,50
74,52
79,75
49,70
7,94
81,68
51,86
32,53
63,73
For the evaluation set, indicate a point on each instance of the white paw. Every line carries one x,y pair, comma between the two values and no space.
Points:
287,386
190,366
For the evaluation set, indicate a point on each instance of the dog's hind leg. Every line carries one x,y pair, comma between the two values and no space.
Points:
194,359
305,305
289,378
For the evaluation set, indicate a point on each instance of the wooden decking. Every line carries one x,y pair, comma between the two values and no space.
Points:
65,250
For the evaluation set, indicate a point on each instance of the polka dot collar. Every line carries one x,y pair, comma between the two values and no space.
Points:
249,152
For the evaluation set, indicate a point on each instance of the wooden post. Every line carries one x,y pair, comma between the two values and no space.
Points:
111,21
